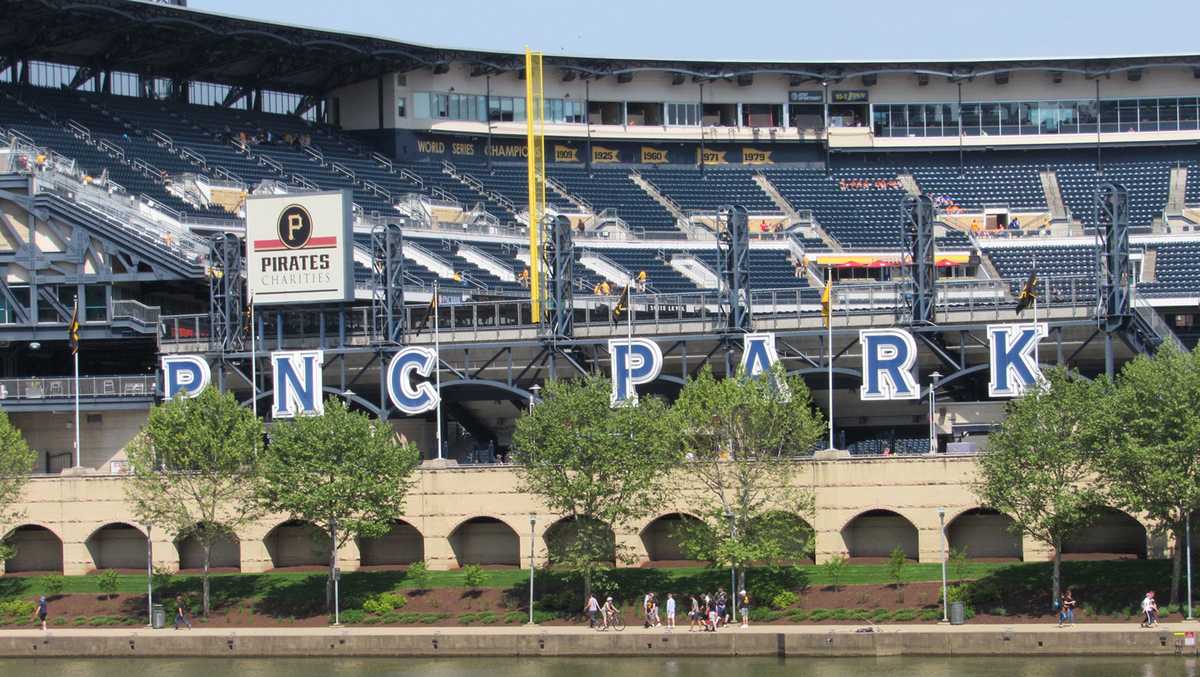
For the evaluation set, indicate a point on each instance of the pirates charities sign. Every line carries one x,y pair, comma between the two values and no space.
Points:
299,247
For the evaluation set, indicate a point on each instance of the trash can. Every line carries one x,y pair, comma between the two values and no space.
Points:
158,616
958,613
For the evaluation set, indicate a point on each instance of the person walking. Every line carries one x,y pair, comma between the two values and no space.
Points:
592,608
42,611
181,613
1149,610
670,611
1066,609
744,607
694,614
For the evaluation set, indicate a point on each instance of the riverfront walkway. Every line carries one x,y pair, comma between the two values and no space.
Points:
762,640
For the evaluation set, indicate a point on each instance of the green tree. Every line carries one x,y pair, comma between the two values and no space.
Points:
833,569
418,575
1040,464
597,465
742,438
1151,460
193,466
16,462
342,471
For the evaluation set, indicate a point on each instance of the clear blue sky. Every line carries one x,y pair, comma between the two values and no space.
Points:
788,31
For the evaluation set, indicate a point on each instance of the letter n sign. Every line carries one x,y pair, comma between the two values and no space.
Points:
299,381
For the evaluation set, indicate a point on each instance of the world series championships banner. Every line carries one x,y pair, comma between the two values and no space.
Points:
888,362
573,151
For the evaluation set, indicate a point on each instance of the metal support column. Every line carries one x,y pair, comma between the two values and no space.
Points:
916,234
226,292
387,283
559,263
733,250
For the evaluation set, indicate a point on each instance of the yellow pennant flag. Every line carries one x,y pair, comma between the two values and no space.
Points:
827,302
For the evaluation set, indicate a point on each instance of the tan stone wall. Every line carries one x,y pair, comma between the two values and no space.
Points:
73,508
103,436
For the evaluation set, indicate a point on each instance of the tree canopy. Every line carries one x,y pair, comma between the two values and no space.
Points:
194,464
16,462
342,471
599,466
1038,464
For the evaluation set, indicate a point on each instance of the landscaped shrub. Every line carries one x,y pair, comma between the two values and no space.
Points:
818,615
52,584
16,607
473,576
108,581
418,575
904,615
784,599
798,615
384,602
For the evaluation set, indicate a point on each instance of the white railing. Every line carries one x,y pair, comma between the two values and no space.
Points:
111,148
162,138
63,387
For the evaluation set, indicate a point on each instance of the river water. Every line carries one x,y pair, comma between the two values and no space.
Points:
607,667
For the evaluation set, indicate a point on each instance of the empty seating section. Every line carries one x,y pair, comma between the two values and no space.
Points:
692,190
1017,185
511,181
612,188
1176,270
769,268
1067,269
1148,184
867,218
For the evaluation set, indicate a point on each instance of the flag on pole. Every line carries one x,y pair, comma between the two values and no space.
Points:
622,306
827,302
433,306
1028,292
73,329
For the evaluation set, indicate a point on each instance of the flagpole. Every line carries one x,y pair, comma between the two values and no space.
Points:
1036,348
437,349
829,344
78,451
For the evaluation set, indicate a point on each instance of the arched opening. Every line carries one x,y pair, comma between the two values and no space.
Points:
226,553
876,533
663,538
36,549
580,539
1113,535
792,532
984,533
297,543
118,546
485,540
403,544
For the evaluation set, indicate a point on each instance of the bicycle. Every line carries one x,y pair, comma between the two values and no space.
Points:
613,620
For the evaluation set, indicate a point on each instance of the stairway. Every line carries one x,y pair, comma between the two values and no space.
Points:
1149,265
1175,197
776,197
652,191
1054,200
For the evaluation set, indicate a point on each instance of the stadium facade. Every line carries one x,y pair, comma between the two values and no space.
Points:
138,137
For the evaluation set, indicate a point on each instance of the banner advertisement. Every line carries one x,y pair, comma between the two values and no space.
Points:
300,247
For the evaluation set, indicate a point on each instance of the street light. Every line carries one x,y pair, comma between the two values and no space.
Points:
945,599
733,590
1187,529
933,381
536,390
149,575
532,536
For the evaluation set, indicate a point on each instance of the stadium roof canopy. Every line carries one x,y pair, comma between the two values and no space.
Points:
168,41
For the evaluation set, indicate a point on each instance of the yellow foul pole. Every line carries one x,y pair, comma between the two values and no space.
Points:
536,161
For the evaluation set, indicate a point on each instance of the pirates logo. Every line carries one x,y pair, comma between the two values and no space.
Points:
295,227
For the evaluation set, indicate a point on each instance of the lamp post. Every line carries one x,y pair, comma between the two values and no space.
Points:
732,567
945,599
149,577
933,381
1187,530
537,391
532,536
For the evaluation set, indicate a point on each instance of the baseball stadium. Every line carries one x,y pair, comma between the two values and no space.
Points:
432,235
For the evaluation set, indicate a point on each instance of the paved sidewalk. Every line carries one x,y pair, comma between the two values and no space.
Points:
562,630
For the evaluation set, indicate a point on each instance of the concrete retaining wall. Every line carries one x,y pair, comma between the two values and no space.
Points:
246,643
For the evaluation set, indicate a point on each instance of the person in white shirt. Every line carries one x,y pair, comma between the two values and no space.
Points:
670,611
1149,610
593,609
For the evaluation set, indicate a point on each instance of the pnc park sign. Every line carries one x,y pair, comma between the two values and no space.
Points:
888,365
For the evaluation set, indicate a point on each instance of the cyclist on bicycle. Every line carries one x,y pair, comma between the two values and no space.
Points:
609,613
